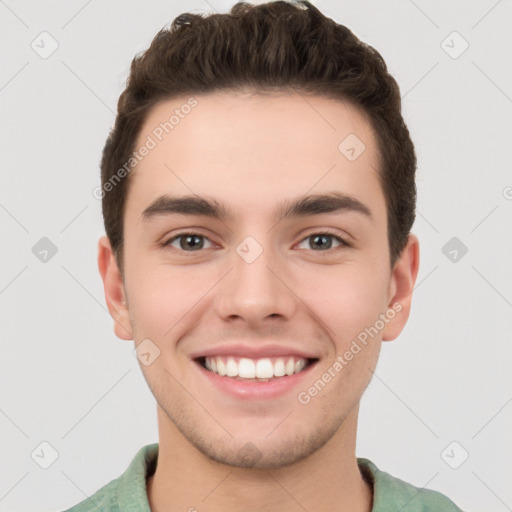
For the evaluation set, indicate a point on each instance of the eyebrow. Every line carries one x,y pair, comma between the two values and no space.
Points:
301,206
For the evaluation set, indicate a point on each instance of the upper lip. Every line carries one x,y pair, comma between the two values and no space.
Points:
254,352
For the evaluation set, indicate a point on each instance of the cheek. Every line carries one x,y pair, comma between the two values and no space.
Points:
161,298
347,301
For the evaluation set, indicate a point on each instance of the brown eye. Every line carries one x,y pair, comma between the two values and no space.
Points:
188,242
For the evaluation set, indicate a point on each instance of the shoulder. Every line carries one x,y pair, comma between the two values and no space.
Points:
129,489
104,500
391,493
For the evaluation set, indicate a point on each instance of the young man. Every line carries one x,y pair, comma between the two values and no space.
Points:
258,194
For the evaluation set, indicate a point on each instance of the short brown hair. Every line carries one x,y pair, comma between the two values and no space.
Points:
276,45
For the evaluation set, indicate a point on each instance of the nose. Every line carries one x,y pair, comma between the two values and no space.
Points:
255,290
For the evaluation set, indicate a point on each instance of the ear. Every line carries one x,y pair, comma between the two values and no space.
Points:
401,287
114,289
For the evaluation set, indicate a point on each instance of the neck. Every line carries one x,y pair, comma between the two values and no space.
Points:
329,479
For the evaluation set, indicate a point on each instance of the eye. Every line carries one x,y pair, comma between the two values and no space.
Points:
192,242
187,242
323,241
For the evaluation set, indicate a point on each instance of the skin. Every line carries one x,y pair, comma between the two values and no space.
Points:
250,152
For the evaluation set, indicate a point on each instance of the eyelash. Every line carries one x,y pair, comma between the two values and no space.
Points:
342,241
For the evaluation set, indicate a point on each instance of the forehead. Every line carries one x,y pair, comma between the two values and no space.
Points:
254,149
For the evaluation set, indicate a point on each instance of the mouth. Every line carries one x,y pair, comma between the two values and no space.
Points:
267,369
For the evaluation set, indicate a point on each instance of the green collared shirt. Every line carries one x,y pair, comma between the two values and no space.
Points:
127,493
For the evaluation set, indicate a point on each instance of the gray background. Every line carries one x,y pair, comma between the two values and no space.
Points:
68,381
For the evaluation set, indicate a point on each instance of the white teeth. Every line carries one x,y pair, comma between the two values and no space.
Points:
245,368
279,368
290,366
221,368
231,368
299,365
264,369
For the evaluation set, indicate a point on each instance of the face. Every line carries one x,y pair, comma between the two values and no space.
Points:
269,255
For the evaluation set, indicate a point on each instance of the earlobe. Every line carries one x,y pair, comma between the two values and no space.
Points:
401,287
114,289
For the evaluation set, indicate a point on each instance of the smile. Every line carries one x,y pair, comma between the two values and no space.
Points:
254,379
255,370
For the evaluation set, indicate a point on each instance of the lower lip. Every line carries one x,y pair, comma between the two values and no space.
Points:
255,390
